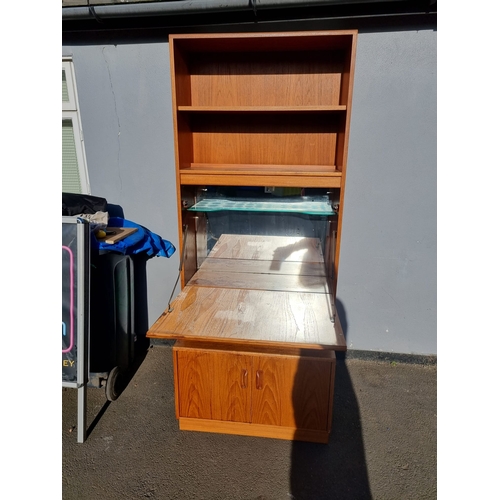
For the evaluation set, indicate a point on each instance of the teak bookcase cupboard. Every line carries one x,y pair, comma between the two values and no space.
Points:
261,125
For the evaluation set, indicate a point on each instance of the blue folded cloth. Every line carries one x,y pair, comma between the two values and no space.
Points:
142,241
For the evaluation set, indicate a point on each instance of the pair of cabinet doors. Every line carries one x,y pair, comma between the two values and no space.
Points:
290,391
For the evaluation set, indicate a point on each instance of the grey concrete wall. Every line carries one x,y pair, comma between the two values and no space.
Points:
124,93
387,274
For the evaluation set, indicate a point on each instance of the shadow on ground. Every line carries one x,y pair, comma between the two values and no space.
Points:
141,351
337,469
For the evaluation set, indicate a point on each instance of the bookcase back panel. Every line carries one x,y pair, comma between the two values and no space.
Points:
270,79
264,139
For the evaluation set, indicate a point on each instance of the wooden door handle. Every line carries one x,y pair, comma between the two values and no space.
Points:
259,384
244,378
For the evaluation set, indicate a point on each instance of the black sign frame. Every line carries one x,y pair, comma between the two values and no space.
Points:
75,311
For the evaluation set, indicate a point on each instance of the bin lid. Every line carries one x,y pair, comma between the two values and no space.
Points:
75,204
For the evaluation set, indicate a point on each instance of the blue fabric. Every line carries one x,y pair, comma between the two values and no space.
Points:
143,241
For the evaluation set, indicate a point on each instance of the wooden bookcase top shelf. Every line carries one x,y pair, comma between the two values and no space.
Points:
266,41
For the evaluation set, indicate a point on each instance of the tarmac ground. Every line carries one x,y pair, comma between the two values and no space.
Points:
383,443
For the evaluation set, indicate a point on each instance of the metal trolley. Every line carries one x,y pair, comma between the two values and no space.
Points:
98,337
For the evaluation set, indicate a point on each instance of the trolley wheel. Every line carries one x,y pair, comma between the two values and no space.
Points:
114,384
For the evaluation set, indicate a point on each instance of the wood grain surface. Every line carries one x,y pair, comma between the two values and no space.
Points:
255,430
116,234
273,175
288,78
291,392
275,390
213,385
251,315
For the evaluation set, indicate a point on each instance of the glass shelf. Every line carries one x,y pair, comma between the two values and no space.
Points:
302,205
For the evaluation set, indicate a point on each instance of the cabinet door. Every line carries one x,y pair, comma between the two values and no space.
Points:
292,391
213,385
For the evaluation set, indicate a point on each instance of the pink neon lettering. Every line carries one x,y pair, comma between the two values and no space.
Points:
71,298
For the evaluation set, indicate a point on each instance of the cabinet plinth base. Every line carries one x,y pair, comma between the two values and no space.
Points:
254,430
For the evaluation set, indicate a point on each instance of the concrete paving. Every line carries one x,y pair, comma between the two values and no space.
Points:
382,445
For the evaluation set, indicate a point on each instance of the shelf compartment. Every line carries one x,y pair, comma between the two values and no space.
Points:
276,139
273,78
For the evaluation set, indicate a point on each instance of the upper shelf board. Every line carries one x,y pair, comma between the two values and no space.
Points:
261,109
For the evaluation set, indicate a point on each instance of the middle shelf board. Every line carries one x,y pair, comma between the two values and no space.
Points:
248,174
262,109
290,205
